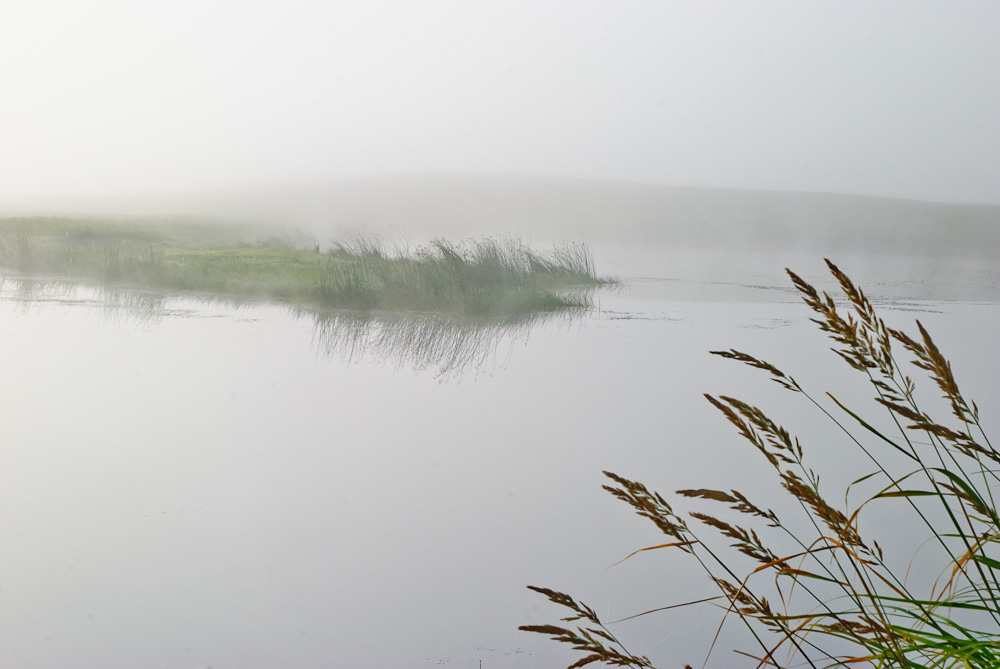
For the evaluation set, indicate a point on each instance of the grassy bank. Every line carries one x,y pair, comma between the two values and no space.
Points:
487,277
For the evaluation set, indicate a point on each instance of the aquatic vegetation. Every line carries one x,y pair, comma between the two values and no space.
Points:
488,277
810,583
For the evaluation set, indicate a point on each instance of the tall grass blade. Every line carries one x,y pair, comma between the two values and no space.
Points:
845,598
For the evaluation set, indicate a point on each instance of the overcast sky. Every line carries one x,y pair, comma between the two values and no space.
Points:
890,98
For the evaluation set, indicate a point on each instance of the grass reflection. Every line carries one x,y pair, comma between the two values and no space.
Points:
449,346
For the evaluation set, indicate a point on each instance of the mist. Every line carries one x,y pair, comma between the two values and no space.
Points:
120,98
323,319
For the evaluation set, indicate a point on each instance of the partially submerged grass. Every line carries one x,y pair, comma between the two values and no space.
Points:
821,592
488,277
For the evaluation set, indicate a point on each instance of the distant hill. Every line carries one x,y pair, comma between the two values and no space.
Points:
462,205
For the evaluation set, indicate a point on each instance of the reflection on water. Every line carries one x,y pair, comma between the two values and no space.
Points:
450,346
28,292
116,305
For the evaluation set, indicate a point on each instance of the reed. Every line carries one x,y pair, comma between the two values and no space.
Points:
488,277
819,590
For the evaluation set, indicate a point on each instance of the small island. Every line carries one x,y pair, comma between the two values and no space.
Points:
478,278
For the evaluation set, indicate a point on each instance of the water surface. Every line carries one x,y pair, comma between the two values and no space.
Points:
190,484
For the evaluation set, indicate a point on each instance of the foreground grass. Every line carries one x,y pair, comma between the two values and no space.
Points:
810,584
481,278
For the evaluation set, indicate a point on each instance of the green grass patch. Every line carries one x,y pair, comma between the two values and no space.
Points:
487,277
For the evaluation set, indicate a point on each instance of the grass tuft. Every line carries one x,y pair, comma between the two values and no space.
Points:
852,603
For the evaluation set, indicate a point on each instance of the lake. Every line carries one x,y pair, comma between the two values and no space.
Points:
188,483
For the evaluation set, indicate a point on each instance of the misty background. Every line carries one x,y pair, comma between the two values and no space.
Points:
193,483
119,98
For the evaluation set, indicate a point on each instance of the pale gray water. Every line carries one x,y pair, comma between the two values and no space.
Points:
187,484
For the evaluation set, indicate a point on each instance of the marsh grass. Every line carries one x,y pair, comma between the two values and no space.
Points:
489,277
808,584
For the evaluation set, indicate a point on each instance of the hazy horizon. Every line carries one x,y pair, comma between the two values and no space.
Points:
420,207
237,188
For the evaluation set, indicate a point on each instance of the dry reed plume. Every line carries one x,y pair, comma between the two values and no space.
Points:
837,597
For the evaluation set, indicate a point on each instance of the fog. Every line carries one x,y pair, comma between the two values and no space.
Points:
197,474
109,98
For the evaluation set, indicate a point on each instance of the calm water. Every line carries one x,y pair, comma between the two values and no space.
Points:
187,484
